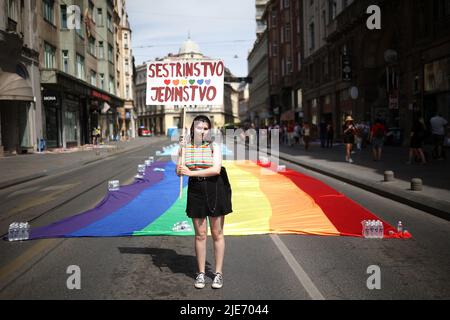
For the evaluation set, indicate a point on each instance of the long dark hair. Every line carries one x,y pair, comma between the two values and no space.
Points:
201,118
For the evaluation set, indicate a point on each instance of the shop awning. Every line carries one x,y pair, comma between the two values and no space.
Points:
14,87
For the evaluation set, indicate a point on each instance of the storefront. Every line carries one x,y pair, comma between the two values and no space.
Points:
16,98
53,126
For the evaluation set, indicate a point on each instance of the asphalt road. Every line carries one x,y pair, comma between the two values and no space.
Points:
256,267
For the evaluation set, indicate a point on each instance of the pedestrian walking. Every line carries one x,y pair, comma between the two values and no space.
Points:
297,133
330,135
416,142
438,126
349,137
209,196
306,132
377,136
323,133
290,133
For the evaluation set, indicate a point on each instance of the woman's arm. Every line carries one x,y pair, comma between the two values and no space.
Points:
210,172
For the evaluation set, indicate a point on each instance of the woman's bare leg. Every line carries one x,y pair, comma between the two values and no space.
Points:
200,242
216,224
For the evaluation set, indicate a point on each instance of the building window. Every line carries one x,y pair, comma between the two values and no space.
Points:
13,10
274,49
102,81
92,46
93,78
332,9
49,56
48,13
125,40
127,67
100,17
101,50
65,61
110,53
109,23
111,85
274,19
286,4
63,9
127,92
289,65
80,67
287,32
311,37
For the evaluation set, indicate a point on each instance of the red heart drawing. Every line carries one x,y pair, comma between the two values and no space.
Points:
167,82
176,82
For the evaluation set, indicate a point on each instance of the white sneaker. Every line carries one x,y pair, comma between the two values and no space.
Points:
350,160
200,281
218,281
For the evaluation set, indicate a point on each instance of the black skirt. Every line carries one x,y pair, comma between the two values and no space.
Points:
349,139
209,197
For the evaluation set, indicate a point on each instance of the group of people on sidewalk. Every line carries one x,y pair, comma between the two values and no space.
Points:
362,134
295,133
356,134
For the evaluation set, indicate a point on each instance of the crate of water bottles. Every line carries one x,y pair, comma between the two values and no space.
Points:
19,231
372,229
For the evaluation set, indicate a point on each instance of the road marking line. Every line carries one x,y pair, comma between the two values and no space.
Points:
301,275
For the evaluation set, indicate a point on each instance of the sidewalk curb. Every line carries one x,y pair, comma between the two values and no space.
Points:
435,207
24,179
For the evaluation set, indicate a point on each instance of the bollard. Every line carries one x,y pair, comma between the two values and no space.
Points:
416,184
388,176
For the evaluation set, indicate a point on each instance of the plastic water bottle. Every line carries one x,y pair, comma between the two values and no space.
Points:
399,227
15,236
365,229
377,230
11,231
381,230
370,233
20,231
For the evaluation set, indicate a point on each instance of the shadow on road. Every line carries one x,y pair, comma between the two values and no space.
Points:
167,258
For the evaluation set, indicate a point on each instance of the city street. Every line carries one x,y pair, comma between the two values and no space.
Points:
272,267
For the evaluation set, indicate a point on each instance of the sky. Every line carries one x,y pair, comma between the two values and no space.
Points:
223,29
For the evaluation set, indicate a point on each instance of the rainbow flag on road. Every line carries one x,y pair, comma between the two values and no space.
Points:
264,202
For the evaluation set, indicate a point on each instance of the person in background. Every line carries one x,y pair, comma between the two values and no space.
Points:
438,124
377,134
416,142
297,133
290,133
306,132
323,133
349,137
330,135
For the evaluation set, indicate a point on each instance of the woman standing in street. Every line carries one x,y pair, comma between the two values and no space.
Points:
209,196
349,138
